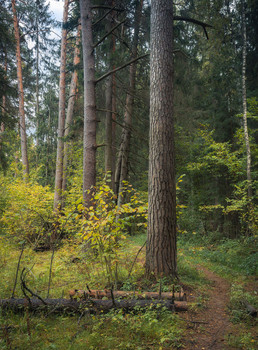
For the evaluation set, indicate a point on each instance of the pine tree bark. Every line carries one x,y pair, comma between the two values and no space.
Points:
61,115
24,153
70,107
161,239
89,142
247,144
123,156
37,84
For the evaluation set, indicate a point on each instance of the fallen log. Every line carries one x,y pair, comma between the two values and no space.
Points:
99,294
90,305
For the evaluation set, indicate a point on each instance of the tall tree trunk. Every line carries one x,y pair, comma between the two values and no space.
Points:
48,146
89,142
108,120
70,107
108,138
113,118
123,156
2,127
37,84
248,152
24,152
61,115
161,239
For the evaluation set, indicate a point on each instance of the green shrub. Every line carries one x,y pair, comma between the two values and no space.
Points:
27,213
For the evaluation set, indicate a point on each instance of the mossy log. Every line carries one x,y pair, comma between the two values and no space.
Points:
89,305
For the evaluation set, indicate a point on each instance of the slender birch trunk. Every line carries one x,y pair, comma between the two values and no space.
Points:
70,107
61,115
89,142
123,156
248,152
24,153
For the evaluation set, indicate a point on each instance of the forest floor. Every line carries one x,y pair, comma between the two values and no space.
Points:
215,279
208,327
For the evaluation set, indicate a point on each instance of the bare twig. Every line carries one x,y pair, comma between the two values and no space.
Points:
136,258
26,288
17,270
50,270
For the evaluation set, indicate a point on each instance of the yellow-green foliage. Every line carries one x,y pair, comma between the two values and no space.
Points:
25,209
104,224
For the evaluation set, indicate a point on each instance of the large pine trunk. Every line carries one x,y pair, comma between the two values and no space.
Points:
61,115
89,141
24,153
161,240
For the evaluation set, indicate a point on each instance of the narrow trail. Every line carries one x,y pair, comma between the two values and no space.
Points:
207,327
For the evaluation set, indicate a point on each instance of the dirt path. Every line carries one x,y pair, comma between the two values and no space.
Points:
207,327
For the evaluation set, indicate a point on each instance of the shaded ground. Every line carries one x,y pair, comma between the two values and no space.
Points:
208,326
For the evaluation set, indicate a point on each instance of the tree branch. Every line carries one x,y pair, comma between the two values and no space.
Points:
121,67
93,7
101,18
195,21
106,35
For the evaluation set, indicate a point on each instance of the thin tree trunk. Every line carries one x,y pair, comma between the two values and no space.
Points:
37,84
123,156
24,152
248,152
2,127
71,102
89,142
61,116
161,239
113,118
48,145
108,120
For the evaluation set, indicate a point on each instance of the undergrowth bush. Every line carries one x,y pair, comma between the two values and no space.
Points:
27,213
104,225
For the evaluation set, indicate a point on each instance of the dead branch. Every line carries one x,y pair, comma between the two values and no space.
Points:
107,34
195,21
17,270
119,68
